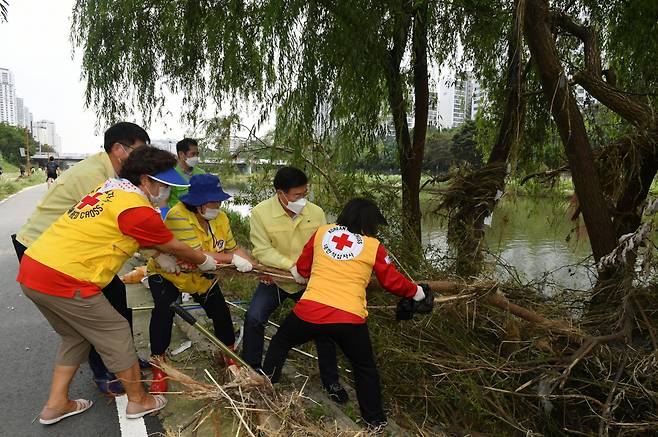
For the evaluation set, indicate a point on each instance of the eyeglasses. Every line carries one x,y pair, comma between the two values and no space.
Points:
128,146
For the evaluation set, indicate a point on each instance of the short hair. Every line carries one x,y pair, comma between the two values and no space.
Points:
361,216
146,160
126,133
52,158
184,145
289,177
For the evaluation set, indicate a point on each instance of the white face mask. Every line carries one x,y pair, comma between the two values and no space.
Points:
192,161
163,194
297,205
210,214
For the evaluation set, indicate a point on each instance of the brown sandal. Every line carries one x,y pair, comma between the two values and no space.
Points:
81,405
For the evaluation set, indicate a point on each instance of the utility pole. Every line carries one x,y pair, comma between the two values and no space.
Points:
27,153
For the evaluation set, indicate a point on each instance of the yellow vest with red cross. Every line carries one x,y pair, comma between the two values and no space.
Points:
341,270
86,242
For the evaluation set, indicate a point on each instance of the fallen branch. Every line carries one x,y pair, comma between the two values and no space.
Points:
607,408
500,301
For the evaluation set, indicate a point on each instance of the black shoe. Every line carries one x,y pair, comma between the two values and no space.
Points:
337,393
376,427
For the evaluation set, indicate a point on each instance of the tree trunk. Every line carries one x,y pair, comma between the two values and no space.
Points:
466,224
570,125
413,160
410,152
639,153
633,111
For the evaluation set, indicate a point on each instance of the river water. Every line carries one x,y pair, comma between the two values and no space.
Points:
534,236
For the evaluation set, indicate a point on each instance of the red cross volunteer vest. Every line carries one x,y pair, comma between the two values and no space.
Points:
86,242
341,270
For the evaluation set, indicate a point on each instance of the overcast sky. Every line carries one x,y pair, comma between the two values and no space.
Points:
35,46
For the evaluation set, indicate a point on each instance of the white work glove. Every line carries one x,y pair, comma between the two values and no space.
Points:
241,264
209,265
167,263
295,274
420,294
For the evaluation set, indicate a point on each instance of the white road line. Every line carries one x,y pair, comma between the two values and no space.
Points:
129,427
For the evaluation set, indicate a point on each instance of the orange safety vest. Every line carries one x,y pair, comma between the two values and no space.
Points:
86,242
341,270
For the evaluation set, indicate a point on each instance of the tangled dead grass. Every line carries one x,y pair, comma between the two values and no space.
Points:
258,409
473,368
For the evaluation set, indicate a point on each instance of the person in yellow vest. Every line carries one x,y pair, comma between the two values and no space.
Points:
65,269
197,221
120,140
339,259
279,227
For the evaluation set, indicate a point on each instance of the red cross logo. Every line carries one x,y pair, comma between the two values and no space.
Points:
341,242
88,201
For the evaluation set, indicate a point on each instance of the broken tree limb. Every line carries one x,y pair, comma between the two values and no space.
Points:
455,288
500,301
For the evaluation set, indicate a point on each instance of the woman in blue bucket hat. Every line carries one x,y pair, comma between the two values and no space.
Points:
197,221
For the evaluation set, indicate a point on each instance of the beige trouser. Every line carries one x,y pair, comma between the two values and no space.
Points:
82,322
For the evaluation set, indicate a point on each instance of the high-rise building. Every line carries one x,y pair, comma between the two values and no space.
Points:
20,112
27,117
462,100
44,132
7,97
23,114
479,98
459,101
434,110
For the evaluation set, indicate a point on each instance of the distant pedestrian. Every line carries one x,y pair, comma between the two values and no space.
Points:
52,171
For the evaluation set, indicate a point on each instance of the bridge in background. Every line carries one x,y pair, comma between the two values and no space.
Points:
65,160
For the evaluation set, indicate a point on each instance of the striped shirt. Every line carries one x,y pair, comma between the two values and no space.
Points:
185,226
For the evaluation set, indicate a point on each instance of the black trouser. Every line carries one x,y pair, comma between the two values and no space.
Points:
115,292
266,299
162,316
353,339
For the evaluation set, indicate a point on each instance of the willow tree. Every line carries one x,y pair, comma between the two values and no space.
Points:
472,196
611,190
343,62
606,48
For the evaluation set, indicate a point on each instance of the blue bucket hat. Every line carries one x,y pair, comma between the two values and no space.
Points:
204,188
170,177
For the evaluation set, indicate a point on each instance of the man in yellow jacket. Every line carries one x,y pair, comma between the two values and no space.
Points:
67,190
280,226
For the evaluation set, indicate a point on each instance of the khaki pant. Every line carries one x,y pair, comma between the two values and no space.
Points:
82,322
